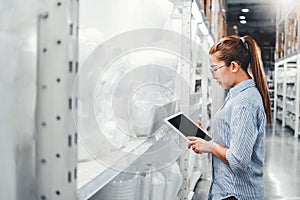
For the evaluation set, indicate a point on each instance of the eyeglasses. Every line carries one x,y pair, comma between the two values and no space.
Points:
216,69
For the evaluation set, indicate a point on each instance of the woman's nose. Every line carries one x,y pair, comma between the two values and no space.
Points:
214,76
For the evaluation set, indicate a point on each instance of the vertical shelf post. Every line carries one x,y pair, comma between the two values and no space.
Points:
56,151
275,97
297,100
284,94
183,89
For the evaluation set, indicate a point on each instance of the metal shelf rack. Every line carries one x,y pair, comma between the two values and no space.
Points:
287,67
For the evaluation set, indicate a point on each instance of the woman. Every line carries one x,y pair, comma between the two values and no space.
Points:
239,125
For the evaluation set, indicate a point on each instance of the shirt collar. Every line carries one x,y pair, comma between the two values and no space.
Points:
240,87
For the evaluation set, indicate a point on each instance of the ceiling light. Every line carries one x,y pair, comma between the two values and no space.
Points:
245,10
243,22
235,27
223,10
242,17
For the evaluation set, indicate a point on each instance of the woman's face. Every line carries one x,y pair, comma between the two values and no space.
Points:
220,72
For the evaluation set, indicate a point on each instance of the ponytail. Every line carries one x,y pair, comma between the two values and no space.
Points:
256,67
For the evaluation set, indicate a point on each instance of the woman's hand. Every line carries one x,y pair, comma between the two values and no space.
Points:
199,145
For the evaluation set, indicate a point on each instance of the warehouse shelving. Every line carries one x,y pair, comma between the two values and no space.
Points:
57,139
287,92
54,120
93,176
287,68
271,92
89,183
210,25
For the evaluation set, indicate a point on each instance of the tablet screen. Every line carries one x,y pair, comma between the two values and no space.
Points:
187,127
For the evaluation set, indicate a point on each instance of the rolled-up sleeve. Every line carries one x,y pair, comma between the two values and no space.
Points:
243,136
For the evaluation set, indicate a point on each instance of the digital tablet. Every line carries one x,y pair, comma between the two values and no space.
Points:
185,126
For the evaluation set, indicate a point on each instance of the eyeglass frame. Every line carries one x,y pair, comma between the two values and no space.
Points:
216,69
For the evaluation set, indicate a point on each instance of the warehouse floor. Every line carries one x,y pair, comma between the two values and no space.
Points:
282,167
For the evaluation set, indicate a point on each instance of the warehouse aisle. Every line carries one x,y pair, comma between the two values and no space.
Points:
282,167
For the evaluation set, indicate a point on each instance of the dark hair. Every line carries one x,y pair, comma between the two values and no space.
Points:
245,52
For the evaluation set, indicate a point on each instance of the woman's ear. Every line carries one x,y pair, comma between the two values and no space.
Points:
234,66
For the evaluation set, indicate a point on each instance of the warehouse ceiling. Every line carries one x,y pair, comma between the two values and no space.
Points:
259,21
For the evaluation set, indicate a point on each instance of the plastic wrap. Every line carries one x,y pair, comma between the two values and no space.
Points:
133,95
152,184
173,179
145,186
124,187
163,153
158,186
129,81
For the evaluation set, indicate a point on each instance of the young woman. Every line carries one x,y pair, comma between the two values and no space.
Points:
238,129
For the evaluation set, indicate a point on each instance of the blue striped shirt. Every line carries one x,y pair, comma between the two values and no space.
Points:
239,125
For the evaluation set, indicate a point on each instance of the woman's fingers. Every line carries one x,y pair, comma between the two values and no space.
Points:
195,140
199,145
200,124
192,143
196,149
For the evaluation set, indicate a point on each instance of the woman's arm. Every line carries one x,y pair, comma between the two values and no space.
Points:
199,145
220,152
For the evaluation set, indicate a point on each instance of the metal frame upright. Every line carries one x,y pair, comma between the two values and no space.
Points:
185,70
297,101
56,151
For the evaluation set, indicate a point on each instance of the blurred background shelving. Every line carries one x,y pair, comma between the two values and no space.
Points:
287,66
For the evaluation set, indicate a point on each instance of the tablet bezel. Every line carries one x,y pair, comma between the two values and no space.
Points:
166,120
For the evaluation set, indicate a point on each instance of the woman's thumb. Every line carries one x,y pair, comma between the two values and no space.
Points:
199,123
